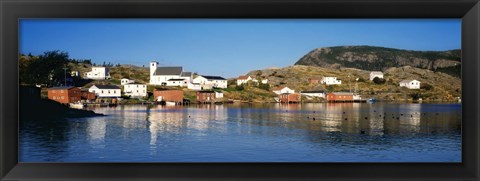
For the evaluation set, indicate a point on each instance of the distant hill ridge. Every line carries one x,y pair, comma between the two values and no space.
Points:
379,58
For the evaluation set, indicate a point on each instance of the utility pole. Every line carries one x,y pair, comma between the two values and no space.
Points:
65,71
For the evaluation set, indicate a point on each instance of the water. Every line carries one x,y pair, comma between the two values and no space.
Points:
341,132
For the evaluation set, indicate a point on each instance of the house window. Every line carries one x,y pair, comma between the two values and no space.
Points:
102,91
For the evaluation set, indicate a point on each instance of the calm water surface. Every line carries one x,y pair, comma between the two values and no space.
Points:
320,132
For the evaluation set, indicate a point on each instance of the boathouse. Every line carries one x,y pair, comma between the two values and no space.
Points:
289,98
168,95
340,97
65,95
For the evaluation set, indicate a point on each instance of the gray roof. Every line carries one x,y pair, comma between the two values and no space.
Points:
186,74
60,88
213,77
106,86
168,71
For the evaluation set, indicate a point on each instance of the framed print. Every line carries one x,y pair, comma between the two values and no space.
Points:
225,90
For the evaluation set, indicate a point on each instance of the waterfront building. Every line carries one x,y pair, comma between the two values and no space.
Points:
283,90
88,96
135,90
374,74
340,97
208,96
105,91
289,98
168,95
98,73
331,81
65,95
411,84
210,81
315,93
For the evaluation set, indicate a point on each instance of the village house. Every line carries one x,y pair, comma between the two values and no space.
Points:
98,73
313,81
314,93
168,95
169,76
374,74
289,98
105,91
282,90
340,97
411,84
65,95
125,81
331,81
208,96
211,81
135,90
243,79
263,81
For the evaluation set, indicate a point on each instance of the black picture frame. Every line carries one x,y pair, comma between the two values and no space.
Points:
12,10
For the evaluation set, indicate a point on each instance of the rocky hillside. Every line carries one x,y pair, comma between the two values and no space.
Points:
381,58
438,86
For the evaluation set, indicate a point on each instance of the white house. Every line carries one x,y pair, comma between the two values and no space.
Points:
126,81
194,86
98,73
313,93
210,81
374,74
411,84
135,90
218,94
283,90
169,76
103,91
330,81
243,79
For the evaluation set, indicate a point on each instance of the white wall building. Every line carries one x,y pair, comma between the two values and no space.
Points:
218,94
211,81
330,81
313,93
126,81
374,74
194,86
283,90
98,73
411,84
243,79
135,90
169,76
103,91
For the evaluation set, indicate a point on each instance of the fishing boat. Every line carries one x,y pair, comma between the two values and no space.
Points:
77,105
372,100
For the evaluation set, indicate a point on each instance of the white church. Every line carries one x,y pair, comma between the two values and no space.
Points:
169,76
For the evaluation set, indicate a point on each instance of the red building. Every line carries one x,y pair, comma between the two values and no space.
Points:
289,98
65,95
168,95
313,80
89,96
340,97
206,96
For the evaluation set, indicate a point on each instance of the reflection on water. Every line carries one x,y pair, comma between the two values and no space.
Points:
320,132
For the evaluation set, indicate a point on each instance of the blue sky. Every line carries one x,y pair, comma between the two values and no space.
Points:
227,47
